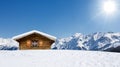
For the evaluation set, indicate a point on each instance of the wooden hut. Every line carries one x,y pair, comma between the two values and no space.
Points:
34,40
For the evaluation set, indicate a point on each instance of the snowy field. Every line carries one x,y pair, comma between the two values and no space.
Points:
58,58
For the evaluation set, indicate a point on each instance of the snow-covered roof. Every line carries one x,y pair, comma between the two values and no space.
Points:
34,31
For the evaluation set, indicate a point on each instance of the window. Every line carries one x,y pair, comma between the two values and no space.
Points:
34,43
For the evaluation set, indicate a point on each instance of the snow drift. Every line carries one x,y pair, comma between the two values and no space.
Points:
8,44
58,58
98,41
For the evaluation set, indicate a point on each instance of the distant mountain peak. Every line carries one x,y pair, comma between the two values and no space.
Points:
96,41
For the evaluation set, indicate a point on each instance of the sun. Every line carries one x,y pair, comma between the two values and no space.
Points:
106,11
109,7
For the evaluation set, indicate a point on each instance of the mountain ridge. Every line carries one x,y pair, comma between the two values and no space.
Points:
96,41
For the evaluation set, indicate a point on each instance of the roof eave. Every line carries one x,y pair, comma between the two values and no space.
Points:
31,32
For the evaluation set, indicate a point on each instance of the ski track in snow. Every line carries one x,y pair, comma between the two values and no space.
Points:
58,58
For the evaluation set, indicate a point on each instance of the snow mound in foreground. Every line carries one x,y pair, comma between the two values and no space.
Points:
58,58
8,44
97,41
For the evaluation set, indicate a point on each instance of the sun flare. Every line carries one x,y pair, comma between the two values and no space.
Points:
109,7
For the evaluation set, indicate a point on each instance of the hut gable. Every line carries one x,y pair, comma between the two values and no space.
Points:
34,40
32,32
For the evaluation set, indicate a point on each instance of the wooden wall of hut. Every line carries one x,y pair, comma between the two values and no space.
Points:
35,41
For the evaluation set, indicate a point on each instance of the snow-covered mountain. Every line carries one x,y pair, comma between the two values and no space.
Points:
97,41
8,44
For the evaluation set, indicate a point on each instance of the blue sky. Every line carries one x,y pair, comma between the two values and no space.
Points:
60,18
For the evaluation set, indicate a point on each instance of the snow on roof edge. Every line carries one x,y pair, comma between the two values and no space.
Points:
31,32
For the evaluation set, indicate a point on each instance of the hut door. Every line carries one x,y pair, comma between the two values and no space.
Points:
34,43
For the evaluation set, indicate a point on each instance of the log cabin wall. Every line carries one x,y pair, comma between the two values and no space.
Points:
35,41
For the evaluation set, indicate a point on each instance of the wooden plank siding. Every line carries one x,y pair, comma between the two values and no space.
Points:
26,42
